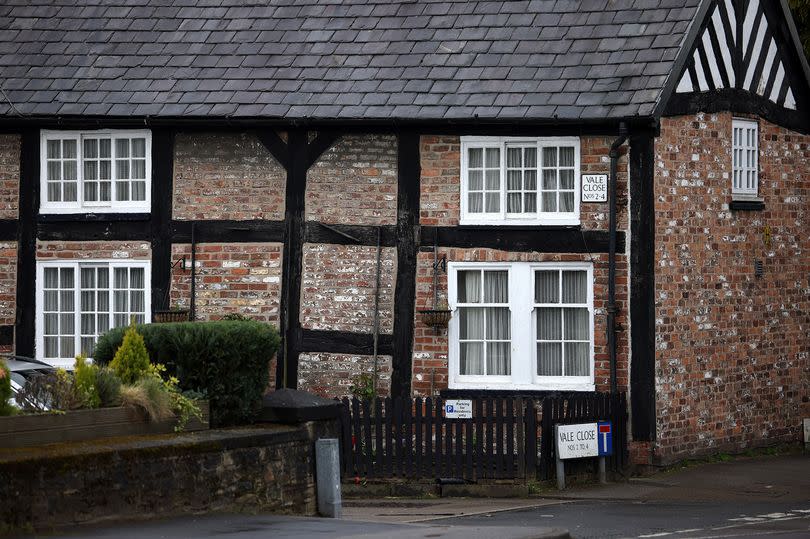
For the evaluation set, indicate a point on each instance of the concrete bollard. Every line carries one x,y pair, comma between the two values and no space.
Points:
327,471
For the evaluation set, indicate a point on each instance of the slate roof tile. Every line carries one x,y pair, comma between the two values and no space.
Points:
318,58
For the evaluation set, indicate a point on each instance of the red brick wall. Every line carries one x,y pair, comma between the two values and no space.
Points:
9,176
733,369
441,173
8,282
355,181
242,278
332,375
89,250
226,176
337,287
430,350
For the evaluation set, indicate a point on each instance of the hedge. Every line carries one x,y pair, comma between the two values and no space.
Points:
227,360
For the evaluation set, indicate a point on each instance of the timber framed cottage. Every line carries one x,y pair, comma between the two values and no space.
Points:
600,194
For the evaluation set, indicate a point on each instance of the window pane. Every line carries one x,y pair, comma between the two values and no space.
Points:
472,358
530,202
549,359
546,286
549,179
549,157
498,323
69,149
54,171
567,156
476,203
493,156
575,286
476,180
121,169
138,147
138,190
513,203
69,171
469,286
54,149
51,277
91,191
68,347
121,191
105,148
549,201
66,278
51,324
90,170
120,277
513,180
105,169
121,147
530,157
51,347
577,324
549,324
567,202
493,179
71,192
105,191
90,148
493,202
471,323
499,359
496,287
566,179
476,157
136,278
514,157
54,192
139,169
577,358
530,180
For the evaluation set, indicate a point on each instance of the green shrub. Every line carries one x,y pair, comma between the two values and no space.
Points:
150,396
84,375
131,361
226,360
6,408
108,386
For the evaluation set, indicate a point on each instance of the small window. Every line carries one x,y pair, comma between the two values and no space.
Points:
95,171
517,181
79,301
503,338
745,165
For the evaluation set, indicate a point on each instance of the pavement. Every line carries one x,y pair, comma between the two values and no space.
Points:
763,496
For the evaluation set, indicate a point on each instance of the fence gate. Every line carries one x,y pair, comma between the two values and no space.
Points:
412,438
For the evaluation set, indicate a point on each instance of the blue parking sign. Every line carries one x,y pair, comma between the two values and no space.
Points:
604,434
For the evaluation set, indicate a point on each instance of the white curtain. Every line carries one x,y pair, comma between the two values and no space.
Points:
137,294
563,333
484,332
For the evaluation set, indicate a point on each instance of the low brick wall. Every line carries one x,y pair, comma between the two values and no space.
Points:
266,468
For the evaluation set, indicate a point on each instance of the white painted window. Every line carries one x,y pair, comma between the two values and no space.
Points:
77,301
521,326
95,171
745,165
520,181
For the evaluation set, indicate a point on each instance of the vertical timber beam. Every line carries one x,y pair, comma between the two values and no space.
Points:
289,315
408,176
161,221
27,243
642,284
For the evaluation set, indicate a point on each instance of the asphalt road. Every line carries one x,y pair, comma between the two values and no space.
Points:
618,519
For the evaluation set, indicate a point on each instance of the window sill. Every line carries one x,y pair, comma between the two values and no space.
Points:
747,204
510,393
519,222
92,210
93,216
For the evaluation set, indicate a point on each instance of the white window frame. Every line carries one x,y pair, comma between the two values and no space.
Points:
523,348
80,205
744,145
503,217
76,265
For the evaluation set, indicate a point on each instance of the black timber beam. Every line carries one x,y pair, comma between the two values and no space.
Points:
8,229
317,232
160,224
27,244
521,239
408,181
228,231
80,229
642,284
339,342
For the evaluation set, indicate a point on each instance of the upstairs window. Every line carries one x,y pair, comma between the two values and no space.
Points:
518,181
95,171
745,159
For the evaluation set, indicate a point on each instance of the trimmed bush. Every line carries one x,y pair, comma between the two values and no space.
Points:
225,360
131,360
84,378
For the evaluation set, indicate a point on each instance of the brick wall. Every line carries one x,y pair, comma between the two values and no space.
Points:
89,250
337,288
733,365
430,369
226,176
8,282
355,181
441,173
332,375
9,176
242,278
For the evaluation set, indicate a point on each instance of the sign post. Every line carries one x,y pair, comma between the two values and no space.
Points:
582,441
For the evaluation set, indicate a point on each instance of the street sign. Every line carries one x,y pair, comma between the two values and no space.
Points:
458,409
576,441
594,188
605,438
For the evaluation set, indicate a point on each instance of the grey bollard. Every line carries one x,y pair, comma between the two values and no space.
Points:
327,470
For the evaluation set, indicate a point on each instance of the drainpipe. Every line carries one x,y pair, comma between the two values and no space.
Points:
193,303
611,306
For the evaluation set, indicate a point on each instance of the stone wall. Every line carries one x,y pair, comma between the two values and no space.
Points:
733,352
333,375
266,468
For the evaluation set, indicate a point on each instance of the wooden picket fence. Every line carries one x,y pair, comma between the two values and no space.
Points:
507,438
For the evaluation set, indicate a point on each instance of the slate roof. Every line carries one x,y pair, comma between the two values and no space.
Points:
339,59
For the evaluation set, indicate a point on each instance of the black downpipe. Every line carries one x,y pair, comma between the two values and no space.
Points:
193,305
611,306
